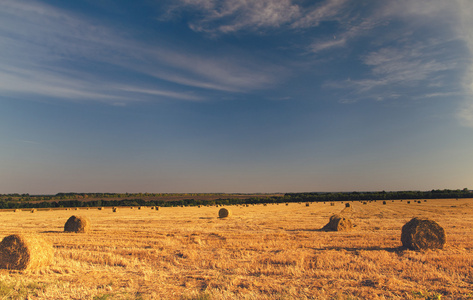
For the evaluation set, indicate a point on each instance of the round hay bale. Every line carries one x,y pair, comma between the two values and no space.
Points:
77,224
338,223
224,213
115,209
384,202
307,204
17,210
100,208
347,204
33,210
22,252
156,208
422,234
139,207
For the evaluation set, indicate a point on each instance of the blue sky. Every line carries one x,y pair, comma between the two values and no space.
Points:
235,95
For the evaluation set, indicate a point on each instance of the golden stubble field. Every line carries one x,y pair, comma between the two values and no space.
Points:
261,252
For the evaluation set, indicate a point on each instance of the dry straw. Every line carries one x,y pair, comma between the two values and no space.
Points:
77,224
338,223
422,234
224,213
23,252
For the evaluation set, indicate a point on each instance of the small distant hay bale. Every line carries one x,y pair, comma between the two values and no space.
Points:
307,204
156,208
332,204
115,209
419,201
422,234
347,204
287,204
76,208
224,213
17,210
338,223
384,202
33,210
100,208
408,202
24,252
139,207
77,224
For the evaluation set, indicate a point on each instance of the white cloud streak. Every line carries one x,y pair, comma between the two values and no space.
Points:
229,16
43,45
408,62
465,113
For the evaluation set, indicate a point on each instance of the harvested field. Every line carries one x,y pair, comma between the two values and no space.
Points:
261,252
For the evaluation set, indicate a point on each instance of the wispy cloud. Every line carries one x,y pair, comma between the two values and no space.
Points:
53,53
465,31
412,61
229,16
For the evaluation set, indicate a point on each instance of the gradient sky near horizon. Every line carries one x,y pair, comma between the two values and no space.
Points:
235,95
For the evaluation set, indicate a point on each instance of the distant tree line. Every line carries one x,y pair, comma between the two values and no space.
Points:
11,201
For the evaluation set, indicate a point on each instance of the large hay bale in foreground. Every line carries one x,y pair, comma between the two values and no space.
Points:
422,234
224,213
338,223
77,224
22,252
